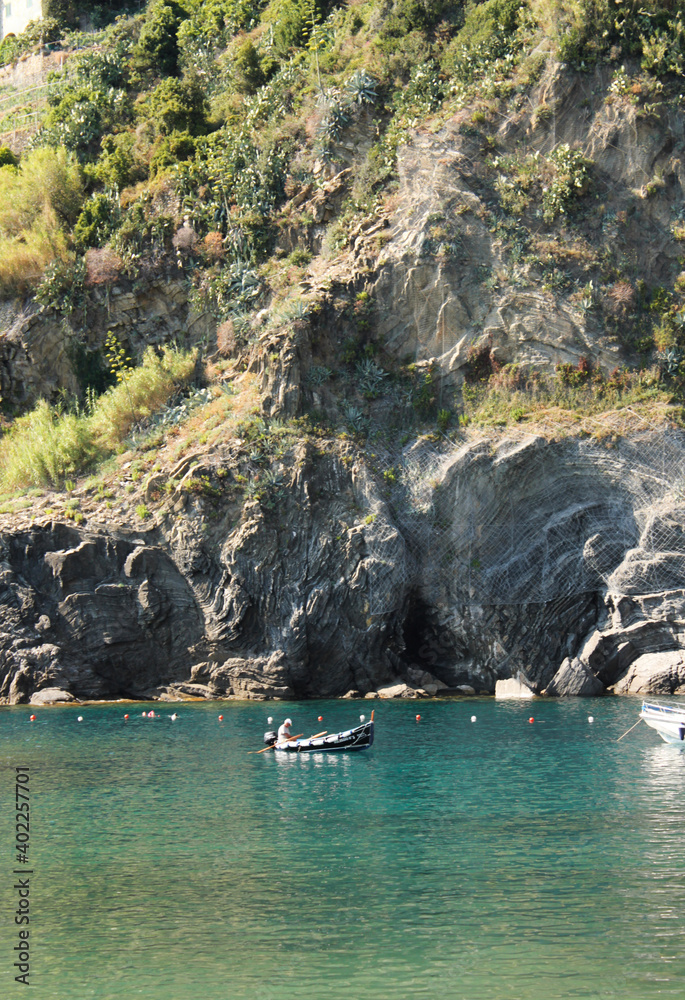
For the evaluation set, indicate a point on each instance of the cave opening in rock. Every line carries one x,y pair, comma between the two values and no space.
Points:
417,632
428,644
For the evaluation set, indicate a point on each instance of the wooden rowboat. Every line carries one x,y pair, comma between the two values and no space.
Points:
360,738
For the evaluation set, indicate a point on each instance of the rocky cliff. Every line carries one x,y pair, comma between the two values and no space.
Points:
549,559
365,552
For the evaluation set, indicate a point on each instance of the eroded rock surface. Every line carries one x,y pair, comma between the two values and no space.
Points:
533,557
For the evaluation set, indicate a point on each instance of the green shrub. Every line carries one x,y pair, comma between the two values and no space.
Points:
157,49
236,171
7,157
490,31
575,375
64,12
571,179
248,68
48,445
424,390
45,447
210,27
47,183
39,202
587,29
97,221
143,231
117,165
172,149
62,285
407,15
86,100
663,51
291,21
443,420
143,389
176,106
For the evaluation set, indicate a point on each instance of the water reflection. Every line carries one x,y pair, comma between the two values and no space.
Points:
320,759
664,769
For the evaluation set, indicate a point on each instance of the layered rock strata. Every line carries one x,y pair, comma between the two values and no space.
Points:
531,559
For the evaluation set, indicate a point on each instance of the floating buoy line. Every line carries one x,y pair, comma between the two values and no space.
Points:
362,718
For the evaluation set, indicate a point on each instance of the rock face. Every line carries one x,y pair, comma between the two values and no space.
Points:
466,565
51,696
91,614
534,557
445,279
512,687
654,673
574,678
39,351
437,306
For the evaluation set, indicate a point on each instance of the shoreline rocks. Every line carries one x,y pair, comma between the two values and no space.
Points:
521,564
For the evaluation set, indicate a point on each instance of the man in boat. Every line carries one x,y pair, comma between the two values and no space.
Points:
284,732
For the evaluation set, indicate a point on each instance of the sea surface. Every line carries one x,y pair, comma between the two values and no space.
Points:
489,860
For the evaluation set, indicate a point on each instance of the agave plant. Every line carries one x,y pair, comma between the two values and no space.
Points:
362,88
318,374
354,418
298,310
334,121
273,480
370,378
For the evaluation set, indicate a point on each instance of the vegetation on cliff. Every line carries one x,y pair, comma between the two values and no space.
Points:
198,139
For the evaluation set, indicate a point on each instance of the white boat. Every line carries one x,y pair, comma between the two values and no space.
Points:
668,720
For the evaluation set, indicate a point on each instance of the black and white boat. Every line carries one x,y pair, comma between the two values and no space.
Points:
360,738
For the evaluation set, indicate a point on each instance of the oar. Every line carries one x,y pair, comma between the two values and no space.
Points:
273,744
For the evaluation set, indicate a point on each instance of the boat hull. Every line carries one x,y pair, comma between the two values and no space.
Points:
667,720
349,741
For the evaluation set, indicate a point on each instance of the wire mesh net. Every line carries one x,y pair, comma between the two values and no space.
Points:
562,519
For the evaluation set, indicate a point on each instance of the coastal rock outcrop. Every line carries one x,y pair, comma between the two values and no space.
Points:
374,568
91,614
541,558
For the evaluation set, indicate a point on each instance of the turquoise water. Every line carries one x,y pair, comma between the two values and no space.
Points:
494,860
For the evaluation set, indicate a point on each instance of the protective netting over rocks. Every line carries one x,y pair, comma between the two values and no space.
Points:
527,520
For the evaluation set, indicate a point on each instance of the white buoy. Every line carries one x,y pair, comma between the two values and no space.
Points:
362,717
590,718
473,718
270,719
80,718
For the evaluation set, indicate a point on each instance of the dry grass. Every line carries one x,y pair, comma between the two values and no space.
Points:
550,407
142,393
39,201
216,422
577,250
47,446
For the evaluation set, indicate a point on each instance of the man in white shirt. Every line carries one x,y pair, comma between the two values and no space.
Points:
284,731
